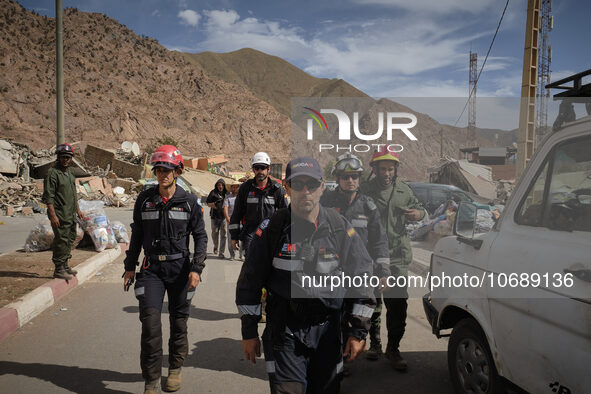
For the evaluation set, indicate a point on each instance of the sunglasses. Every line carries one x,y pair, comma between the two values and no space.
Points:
259,167
298,185
349,176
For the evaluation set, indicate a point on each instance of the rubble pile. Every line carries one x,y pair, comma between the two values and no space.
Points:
108,176
113,176
504,190
20,196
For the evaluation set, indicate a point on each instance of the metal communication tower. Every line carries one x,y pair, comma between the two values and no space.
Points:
544,60
471,137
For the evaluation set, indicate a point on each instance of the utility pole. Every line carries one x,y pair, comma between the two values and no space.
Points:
527,112
441,142
59,72
471,140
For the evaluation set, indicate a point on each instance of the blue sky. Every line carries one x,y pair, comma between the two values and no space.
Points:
387,48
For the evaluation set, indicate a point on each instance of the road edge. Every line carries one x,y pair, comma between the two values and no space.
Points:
16,314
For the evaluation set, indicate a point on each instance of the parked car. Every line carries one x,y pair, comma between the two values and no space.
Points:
527,318
432,195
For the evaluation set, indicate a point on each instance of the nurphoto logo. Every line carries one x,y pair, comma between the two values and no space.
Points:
391,122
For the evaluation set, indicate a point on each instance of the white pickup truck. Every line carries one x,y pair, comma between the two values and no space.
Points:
518,298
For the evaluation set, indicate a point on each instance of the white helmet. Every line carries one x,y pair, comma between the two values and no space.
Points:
261,158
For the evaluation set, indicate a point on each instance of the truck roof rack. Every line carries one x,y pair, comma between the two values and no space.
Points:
577,93
577,90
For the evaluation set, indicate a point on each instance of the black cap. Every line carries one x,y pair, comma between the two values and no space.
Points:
300,166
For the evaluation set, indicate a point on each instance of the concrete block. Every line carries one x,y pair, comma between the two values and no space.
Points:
192,163
88,268
7,162
8,322
96,156
32,304
9,211
60,287
95,183
124,169
202,163
5,145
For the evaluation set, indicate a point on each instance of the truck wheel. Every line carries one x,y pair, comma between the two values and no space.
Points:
471,366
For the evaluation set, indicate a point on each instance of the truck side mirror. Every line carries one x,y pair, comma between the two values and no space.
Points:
465,224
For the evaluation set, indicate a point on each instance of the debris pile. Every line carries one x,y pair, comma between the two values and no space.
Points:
471,177
20,196
112,176
109,176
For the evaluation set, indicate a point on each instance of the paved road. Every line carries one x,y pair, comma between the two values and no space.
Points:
89,342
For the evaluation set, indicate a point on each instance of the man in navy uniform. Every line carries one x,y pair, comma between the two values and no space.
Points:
163,219
302,339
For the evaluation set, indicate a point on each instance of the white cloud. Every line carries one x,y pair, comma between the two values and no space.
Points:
189,17
155,13
221,18
382,57
225,31
433,6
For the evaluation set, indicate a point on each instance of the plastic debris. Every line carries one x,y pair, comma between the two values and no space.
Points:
40,237
96,224
120,232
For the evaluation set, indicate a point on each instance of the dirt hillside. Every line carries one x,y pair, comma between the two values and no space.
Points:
120,86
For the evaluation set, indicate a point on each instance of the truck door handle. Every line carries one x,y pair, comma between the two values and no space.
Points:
582,274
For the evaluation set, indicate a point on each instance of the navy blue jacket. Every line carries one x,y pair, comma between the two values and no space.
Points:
164,229
365,218
274,259
254,205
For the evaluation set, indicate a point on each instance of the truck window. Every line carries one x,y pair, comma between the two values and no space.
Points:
458,197
570,187
421,194
438,197
531,208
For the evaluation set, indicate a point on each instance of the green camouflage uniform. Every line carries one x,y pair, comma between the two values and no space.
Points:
59,189
392,202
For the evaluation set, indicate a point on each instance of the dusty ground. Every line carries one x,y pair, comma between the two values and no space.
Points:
21,272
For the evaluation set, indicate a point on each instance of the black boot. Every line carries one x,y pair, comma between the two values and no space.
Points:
61,273
70,270
375,347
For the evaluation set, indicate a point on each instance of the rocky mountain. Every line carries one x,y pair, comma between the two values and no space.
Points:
276,81
119,86
270,78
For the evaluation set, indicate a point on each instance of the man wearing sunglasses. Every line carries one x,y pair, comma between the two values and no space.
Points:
397,205
302,338
257,200
363,214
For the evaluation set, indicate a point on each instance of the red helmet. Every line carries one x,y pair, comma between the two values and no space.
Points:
167,156
64,149
382,153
